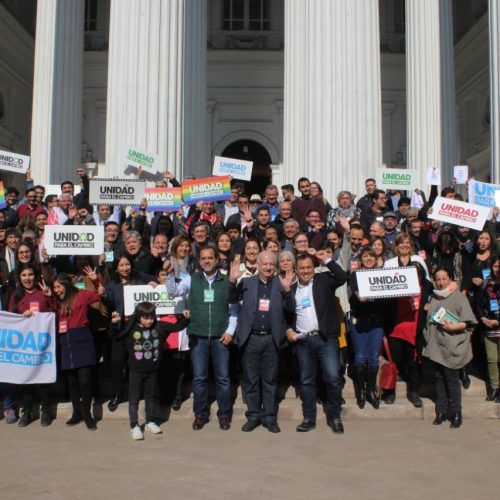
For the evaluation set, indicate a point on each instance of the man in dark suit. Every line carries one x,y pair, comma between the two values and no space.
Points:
315,332
260,333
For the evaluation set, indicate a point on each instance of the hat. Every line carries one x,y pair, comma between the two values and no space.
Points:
255,198
390,214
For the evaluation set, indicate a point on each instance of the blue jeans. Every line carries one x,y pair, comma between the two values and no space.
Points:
366,342
202,349
325,350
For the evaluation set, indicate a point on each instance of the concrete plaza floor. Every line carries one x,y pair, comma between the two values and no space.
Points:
374,459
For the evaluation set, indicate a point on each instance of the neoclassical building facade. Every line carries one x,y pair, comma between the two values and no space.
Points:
329,89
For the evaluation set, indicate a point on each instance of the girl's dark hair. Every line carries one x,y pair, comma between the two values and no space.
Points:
25,243
71,292
366,251
19,290
251,240
170,230
441,268
176,243
145,310
447,239
117,260
479,234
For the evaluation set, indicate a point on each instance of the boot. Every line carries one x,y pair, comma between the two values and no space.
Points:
456,421
45,417
26,418
360,386
464,377
114,402
87,416
440,418
371,386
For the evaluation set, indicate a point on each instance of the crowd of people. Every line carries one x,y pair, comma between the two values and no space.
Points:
269,283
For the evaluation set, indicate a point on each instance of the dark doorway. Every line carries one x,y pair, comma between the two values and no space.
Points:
252,151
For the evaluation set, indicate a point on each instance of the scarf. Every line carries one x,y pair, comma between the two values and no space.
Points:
445,293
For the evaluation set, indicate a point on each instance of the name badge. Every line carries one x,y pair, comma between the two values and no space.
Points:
208,295
35,307
486,274
264,304
421,253
80,285
493,305
183,275
63,326
109,256
306,302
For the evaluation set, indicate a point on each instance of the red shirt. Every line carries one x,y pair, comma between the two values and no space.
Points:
79,309
32,300
24,209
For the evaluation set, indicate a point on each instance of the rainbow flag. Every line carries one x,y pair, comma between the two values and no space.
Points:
207,189
3,203
163,199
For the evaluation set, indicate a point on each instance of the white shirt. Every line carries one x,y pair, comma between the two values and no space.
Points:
307,319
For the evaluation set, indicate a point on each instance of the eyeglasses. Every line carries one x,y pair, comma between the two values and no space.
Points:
24,252
301,241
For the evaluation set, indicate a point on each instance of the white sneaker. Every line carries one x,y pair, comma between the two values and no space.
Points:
153,428
136,433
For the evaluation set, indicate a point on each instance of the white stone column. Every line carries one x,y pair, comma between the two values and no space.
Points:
430,88
157,83
494,21
57,91
332,109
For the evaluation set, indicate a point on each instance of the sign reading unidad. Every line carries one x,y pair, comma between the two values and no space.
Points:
136,157
134,294
459,213
238,169
393,178
74,240
482,193
163,199
14,162
116,191
388,282
208,189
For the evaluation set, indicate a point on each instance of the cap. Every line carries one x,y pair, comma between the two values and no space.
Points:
255,198
390,214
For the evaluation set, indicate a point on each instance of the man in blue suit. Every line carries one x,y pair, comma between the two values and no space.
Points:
265,300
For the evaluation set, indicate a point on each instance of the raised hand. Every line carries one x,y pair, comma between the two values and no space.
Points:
115,317
235,272
287,280
45,289
91,273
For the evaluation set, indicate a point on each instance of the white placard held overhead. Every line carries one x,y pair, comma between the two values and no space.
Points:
74,240
459,213
461,173
238,169
13,162
483,193
434,176
137,157
396,179
497,199
388,282
134,294
116,191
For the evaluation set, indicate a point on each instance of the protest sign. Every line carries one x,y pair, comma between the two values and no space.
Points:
74,240
28,348
388,282
116,191
207,189
13,162
459,213
134,294
3,203
392,178
239,169
433,176
136,157
461,173
163,199
482,193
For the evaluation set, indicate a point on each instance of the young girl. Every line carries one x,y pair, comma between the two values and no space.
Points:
143,337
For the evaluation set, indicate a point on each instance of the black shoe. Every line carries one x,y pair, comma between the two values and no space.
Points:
440,418
113,403
390,398
176,405
360,386
336,425
45,418
414,399
250,425
456,421
90,423
492,395
272,427
74,420
199,423
26,419
371,386
464,378
306,426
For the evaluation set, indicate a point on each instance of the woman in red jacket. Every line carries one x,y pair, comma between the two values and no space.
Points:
31,296
78,354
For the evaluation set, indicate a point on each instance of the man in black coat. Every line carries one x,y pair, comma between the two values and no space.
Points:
260,333
315,332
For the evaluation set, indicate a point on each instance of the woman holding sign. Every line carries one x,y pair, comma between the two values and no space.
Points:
448,333
403,336
31,296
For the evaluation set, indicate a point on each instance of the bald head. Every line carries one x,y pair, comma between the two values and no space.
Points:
266,265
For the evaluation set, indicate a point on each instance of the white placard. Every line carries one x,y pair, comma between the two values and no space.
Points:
238,169
74,240
461,173
116,191
393,178
28,348
459,213
497,199
484,194
13,162
137,157
134,294
434,176
388,282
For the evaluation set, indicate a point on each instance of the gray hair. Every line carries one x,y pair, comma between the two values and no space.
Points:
343,193
132,234
268,253
286,253
291,220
